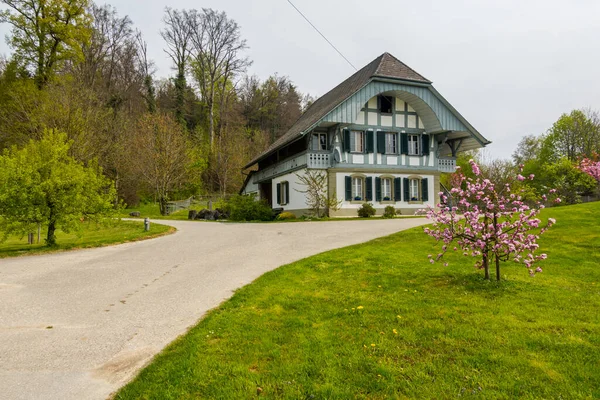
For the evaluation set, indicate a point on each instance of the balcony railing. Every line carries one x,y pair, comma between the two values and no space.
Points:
305,159
446,164
319,160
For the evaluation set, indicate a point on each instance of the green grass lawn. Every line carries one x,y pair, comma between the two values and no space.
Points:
378,321
90,235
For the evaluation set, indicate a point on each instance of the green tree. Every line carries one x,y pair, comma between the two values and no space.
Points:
42,184
574,135
47,32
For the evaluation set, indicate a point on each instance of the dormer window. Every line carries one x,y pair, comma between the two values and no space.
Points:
386,104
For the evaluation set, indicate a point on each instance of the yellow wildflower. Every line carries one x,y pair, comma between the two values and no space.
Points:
395,332
359,307
372,344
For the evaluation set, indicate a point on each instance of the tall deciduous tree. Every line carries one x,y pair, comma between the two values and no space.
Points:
160,155
42,184
177,35
217,52
573,136
47,32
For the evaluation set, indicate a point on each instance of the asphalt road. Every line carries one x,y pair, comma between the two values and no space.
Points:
80,324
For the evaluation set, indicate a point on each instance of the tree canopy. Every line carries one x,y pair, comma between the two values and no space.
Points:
42,184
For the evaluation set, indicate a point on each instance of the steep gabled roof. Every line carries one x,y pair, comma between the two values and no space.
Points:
384,66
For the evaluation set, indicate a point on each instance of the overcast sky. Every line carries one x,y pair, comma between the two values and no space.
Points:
510,67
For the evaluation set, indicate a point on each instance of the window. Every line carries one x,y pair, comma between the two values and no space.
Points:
391,143
386,189
385,104
414,190
283,193
413,145
357,189
358,142
319,141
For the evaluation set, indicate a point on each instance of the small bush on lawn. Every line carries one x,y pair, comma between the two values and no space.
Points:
246,208
286,216
389,212
366,210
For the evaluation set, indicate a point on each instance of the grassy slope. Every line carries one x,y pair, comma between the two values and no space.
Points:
298,332
91,235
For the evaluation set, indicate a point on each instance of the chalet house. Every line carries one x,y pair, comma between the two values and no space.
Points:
383,136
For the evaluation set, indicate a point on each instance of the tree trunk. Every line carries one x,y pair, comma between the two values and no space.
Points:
51,236
180,96
211,117
162,203
486,265
497,268
496,242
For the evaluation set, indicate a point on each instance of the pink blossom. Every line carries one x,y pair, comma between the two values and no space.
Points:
491,221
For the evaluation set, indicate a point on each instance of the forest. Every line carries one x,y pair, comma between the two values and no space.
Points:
83,69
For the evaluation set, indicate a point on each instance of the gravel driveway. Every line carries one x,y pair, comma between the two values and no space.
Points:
79,325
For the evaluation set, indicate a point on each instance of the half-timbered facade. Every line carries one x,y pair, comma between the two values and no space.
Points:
383,136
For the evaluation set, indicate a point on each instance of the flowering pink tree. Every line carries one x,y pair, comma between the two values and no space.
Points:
592,168
489,223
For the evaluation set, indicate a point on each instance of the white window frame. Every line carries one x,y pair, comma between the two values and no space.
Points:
391,143
283,192
386,191
414,145
414,186
359,142
358,188
317,142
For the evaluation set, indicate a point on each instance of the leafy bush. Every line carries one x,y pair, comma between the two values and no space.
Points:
389,212
286,216
246,208
366,210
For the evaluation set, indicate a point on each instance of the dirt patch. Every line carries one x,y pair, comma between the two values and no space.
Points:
122,367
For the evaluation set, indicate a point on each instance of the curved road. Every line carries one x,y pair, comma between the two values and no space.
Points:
79,325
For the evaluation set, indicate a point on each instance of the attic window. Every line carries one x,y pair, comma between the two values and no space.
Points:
385,104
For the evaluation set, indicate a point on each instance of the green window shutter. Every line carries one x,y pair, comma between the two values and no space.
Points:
406,190
346,140
403,143
381,142
370,142
425,143
377,189
397,189
287,193
348,188
425,190
279,193
369,189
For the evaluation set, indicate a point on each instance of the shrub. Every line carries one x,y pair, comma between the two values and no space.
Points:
389,212
246,208
366,210
286,216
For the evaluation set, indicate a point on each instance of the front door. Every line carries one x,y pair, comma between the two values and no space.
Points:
266,192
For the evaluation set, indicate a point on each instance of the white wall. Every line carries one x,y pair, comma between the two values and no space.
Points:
341,192
250,188
297,200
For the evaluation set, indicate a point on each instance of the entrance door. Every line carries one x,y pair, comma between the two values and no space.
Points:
266,192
